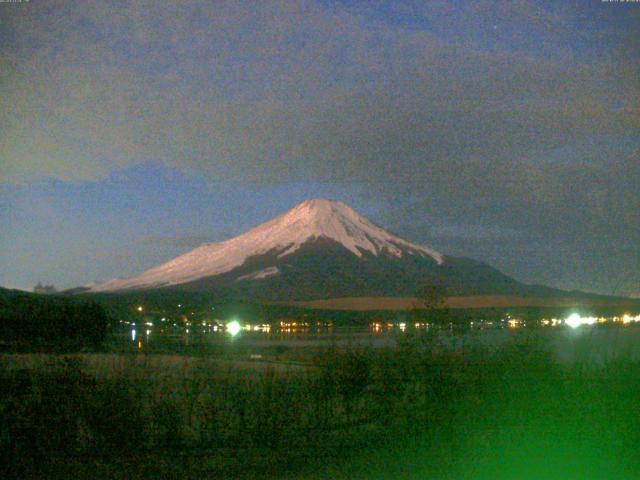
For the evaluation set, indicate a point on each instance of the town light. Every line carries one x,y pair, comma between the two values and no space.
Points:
233,328
573,320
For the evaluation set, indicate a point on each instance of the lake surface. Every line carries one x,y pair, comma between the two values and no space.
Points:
594,343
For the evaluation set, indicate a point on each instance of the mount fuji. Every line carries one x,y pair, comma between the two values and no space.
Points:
320,249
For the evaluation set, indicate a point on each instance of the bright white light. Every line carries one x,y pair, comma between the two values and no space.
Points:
233,328
573,320
133,335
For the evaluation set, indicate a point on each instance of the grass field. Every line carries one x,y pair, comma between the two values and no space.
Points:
509,411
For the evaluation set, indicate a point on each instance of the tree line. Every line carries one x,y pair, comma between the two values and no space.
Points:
34,320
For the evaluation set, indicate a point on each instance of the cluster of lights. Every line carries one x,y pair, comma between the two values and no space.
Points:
575,320
513,322
628,319
482,323
303,326
379,327
264,327
554,322
233,327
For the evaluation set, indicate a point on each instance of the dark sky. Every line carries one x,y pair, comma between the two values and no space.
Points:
504,131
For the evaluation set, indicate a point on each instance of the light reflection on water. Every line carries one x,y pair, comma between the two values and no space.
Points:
318,332
592,342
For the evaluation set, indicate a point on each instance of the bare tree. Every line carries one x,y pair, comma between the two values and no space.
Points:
431,306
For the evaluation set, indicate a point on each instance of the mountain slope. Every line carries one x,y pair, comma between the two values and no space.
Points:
321,249
282,236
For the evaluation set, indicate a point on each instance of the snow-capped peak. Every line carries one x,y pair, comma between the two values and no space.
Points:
312,219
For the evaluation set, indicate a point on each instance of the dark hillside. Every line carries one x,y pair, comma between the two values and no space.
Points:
33,320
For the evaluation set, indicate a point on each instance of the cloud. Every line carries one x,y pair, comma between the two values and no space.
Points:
519,117
252,93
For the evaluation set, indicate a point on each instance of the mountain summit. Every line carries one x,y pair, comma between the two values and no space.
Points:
320,249
311,220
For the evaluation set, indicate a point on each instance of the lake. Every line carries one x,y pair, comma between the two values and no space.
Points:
588,342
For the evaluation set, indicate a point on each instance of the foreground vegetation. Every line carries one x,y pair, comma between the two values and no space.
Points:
32,322
406,412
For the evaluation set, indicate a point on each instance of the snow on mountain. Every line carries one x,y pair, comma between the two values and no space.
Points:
260,274
285,234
